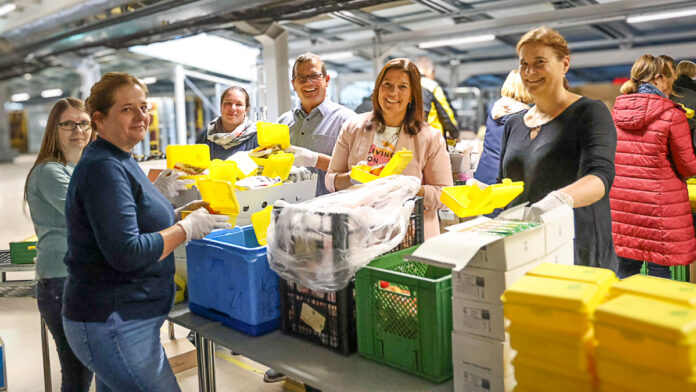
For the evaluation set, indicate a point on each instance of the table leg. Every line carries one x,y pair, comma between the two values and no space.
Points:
171,331
200,359
210,364
46,357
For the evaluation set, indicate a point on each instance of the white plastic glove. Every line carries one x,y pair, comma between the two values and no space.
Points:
169,184
190,206
303,156
473,181
552,200
200,223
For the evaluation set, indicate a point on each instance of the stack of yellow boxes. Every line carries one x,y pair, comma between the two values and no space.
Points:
646,336
550,311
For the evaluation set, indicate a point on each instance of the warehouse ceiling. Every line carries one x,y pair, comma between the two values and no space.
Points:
45,38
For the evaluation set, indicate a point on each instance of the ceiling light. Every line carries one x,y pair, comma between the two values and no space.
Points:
149,80
661,16
52,93
27,76
7,8
457,41
336,56
20,97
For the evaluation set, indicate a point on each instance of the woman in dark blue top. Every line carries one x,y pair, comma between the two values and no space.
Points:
232,131
121,234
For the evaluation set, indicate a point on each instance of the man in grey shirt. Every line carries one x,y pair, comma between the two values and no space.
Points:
316,121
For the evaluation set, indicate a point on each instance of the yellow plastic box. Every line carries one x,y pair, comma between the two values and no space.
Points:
601,277
197,155
223,170
270,134
691,187
641,378
682,293
221,196
570,350
470,200
543,376
260,220
278,165
647,332
396,165
552,304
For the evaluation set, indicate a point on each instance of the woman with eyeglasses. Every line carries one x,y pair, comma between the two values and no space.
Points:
67,133
121,235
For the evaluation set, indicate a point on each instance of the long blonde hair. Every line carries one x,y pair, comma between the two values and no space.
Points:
50,150
644,70
514,88
687,68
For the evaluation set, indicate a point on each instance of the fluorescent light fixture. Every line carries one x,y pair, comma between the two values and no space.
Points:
336,55
149,80
7,8
20,97
457,41
661,16
52,93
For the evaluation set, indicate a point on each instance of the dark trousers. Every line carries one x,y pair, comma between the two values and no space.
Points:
629,267
49,295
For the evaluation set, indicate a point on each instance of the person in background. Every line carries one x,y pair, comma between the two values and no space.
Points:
365,106
396,122
315,121
438,112
686,73
683,96
68,130
562,148
514,98
649,199
233,131
121,234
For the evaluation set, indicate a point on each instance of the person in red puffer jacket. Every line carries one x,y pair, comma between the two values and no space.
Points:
649,202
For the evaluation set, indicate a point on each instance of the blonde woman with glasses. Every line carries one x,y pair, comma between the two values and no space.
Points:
68,131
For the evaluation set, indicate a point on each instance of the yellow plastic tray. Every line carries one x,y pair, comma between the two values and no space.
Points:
396,165
603,278
268,134
279,165
552,304
223,170
221,196
682,293
191,154
260,220
470,200
641,378
543,376
648,332
575,352
691,187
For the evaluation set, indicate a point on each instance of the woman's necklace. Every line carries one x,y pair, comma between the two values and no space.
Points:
536,120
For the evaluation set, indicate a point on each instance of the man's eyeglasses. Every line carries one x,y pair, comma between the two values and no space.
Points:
71,125
313,78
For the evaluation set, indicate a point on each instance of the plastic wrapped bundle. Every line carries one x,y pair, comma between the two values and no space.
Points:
323,242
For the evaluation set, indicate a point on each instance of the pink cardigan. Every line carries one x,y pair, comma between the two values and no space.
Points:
430,162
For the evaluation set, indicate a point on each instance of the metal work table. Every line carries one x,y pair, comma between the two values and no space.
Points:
300,360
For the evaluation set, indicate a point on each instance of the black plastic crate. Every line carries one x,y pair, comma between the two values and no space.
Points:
323,317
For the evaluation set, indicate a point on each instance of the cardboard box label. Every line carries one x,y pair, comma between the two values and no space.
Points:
312,318
476,318
471,285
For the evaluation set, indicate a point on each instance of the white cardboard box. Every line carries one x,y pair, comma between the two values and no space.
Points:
564,254
484,285
478,318
468,379
492,357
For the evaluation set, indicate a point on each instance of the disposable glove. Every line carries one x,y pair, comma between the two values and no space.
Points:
552,200
169,184
200,223
303,156
473,181
190,206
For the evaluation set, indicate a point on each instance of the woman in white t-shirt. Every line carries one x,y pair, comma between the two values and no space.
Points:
395,122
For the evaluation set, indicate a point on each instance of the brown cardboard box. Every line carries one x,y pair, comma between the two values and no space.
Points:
181,354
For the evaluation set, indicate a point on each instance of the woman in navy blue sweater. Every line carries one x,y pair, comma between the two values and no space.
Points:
121,234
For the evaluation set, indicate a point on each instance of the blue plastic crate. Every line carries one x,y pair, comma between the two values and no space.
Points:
229,280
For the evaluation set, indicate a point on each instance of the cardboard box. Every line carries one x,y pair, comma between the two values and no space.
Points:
468,379
492,357
484,285
564,254
478,318
181,354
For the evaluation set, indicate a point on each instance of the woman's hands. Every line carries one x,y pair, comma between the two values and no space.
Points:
200,223
169,184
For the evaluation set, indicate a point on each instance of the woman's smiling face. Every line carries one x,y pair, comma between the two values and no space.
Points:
394,95
540,68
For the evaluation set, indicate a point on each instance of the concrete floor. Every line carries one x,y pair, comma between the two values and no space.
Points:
20,322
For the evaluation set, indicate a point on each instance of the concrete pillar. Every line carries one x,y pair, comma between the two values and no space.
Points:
275,65
90,73
180,104
6,153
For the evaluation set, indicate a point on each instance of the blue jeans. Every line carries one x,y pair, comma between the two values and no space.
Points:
49,297
629,267
125,355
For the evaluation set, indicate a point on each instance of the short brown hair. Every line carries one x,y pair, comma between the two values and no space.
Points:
687,68
514,88
305,57
414,118
101,95
548,37
644,70
238,88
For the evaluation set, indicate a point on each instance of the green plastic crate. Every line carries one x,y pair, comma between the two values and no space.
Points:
22,252
679,273
411,331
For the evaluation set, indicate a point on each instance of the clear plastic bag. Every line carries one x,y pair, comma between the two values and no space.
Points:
323,242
